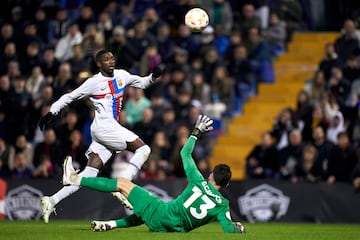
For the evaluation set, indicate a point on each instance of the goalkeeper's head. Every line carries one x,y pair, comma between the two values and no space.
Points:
220,176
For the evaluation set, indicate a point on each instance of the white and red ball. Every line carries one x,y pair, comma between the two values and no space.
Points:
196,19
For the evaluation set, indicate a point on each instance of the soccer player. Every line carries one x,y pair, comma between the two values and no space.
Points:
105,90
200,202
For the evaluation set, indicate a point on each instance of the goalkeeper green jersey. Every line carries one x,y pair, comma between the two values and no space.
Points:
198,204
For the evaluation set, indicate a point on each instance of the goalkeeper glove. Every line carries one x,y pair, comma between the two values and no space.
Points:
44,120
203,124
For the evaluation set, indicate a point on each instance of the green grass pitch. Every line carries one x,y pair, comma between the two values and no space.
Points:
68,230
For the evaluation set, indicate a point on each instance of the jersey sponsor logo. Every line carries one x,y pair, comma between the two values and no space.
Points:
23,203
210,193
263,203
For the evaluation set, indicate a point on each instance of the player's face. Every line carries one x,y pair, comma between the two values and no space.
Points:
107,64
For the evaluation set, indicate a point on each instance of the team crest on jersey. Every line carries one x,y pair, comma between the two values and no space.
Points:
119,82
263,203
23,203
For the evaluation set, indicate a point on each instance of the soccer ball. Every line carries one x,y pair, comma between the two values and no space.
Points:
196,19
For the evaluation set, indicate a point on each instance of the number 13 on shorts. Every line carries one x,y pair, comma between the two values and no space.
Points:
201,211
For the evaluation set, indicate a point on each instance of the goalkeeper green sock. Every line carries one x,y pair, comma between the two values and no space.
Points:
99,184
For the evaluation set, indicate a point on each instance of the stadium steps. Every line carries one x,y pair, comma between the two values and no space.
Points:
291,71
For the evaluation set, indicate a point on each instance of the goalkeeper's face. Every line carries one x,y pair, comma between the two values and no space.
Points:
107,64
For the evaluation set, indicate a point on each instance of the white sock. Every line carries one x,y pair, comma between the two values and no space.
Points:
140,156
68,190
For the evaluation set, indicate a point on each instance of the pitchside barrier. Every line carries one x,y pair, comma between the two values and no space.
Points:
251,200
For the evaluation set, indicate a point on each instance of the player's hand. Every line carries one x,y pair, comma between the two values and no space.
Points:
157,72
204,123
45,120
239,227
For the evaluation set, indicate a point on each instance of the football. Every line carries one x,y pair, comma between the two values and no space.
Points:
196,19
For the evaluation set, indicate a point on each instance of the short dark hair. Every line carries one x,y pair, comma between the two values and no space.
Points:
222,175
99,55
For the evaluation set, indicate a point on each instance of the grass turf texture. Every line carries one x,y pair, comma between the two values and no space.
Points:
68,230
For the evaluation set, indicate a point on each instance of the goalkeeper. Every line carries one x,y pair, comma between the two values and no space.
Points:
199,203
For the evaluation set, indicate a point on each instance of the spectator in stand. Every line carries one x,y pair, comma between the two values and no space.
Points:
93,41
180,61
76,148
58,27
323,148
42,24
235,40
211,61
353,129
153,20
348,44
241,70
7,156
5,92
316,87
200,89
78,62
307,169
178,82
342,160
139,40
182,132
161,150
275,35
49,65
215,109
70,124
168,124
158,105
85,18
63,81
63,47
35,83
29,36
22,145
220,14
336,127
118,45
291,12
17,21
262,161
45,169
146,127
291,155
135,106
355,177
105,26
7,32
182,105
284,124
31,58
164,41
351,71
222,86
149,60
187,40
20,110
21,168
259,55
331,107
8,55
50,148
339,86
317,119
303,108
329,61
14,70
249,20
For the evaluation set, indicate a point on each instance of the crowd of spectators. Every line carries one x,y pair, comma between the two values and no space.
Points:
319,140
47,48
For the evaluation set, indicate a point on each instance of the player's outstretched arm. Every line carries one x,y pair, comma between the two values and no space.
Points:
144,82
83,90
203,124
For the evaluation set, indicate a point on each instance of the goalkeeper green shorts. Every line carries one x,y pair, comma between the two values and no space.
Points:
154,212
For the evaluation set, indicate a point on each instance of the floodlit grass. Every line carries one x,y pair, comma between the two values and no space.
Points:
69,230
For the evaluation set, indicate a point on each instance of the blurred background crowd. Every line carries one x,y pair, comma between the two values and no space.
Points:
47,48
